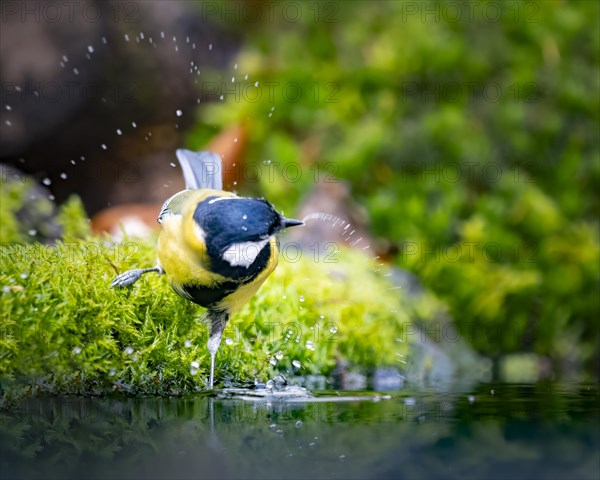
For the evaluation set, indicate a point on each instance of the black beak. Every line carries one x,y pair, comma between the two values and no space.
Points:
290,222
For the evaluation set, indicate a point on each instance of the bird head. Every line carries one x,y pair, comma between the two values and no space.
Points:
236,229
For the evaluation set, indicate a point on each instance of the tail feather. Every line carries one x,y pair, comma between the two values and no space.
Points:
201,169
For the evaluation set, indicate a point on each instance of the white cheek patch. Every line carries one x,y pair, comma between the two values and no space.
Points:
243,254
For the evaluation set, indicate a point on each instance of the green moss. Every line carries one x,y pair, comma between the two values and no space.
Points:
11,194
65,331
73,220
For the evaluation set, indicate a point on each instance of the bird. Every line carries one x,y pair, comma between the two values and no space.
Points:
215,248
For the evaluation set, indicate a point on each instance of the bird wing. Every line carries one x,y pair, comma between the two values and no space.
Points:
201,169
174,205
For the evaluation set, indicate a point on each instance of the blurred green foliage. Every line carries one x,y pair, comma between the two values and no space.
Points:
471,138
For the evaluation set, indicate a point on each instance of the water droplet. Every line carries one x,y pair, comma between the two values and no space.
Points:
104,41
142,35
299,424
63,176
256,84
279,355
65,59
104,147
342,458
284,297
246,77
90,49
134,125
270,385
8,122
76,71
179,113
296,364
471,398
51,197
228,341
492,392
195,365
235,66
221,97
172,164
128,350
270,114
210,46
333,329
8,107
244,217
126,37
46,181
310,345
187,343
272,361
301,298
73,162
32,232
119,131
76,350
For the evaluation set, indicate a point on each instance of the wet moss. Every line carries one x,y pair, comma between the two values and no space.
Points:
65,331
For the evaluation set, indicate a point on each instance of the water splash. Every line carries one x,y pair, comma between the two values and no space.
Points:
93,50
327,217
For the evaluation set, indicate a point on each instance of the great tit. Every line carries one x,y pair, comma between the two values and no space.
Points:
215,248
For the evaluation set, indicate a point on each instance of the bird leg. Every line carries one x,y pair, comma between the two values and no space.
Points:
218,321
131,276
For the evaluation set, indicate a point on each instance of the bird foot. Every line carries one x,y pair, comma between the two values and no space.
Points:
127,278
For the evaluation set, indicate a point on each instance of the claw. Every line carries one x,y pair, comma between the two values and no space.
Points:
127,278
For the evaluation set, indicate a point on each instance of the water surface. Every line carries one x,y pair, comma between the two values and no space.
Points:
492,431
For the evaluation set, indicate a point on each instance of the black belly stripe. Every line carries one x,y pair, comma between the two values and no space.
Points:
209,296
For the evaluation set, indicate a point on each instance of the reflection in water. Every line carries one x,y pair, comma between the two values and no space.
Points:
534,431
